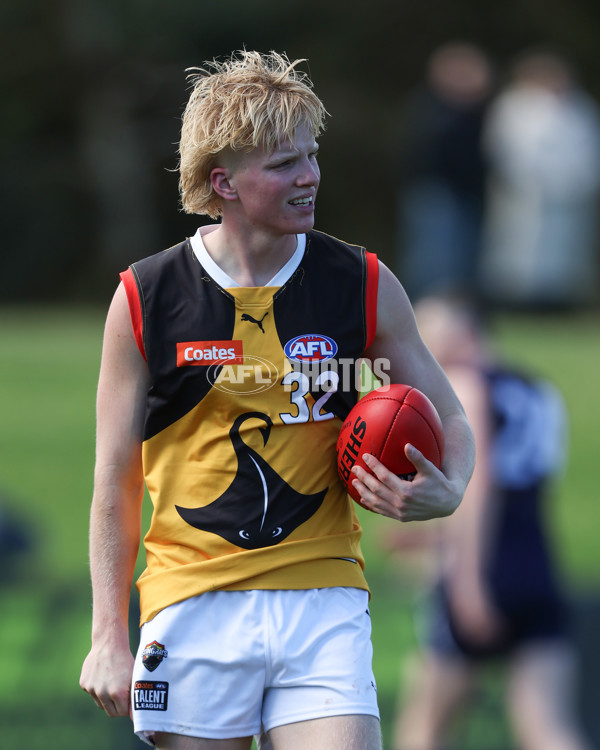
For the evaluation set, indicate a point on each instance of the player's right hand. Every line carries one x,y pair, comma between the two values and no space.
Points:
106,676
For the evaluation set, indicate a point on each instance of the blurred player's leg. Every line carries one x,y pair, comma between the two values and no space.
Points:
436,691
540,698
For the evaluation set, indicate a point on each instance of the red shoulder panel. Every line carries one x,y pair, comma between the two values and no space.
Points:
135,308
371,296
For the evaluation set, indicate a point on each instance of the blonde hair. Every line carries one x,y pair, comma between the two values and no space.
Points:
249,101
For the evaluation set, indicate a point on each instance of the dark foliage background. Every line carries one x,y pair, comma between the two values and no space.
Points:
93,90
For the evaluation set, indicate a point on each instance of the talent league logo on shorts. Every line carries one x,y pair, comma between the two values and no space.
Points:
150,696
310,347
153,654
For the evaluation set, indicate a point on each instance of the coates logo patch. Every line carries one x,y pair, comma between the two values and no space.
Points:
310,347
150,696
207,353
153,654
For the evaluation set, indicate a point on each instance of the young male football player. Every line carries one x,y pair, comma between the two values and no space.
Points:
222,389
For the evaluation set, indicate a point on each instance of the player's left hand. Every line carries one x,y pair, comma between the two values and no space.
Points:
429,495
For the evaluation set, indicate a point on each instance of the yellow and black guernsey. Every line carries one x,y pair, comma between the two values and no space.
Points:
249,387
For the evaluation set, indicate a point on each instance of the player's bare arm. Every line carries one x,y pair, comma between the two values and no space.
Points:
116,510
470,534
433,493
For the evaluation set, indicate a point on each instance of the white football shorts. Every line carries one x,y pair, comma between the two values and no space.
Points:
232,663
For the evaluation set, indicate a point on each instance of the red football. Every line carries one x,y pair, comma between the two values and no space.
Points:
382,423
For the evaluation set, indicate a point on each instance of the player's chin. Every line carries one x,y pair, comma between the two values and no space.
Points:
304,227
302,219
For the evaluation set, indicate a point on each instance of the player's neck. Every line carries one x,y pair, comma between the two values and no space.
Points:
251,262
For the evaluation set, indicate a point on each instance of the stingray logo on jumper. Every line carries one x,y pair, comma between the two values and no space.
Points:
310,347
259,508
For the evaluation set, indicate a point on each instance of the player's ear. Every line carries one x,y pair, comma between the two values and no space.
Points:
220,179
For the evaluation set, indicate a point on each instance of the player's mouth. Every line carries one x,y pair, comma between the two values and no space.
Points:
306,201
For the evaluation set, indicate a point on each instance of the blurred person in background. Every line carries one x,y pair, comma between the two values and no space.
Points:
542,140
443,172
16,539
495,592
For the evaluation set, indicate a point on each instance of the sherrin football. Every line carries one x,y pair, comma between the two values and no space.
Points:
382,423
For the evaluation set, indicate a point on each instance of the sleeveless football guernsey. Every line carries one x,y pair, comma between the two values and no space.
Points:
249,387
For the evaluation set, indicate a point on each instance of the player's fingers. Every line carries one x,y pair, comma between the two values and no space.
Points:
104,703
109,708
369,498
363,491
418,460
94,697
376,478
377,496
382,473
117,705
366,484
123,706
380,501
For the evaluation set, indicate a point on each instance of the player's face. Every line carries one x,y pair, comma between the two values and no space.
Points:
276,190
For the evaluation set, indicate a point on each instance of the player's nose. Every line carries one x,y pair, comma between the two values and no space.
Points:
309,173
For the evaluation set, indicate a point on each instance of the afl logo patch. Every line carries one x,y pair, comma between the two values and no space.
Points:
253,375
310,347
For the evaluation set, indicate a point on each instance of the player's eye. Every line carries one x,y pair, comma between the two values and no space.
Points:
244,534
276,531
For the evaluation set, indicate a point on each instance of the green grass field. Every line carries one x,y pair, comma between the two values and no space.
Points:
48,370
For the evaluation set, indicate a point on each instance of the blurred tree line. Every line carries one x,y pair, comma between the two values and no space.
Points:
93,91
